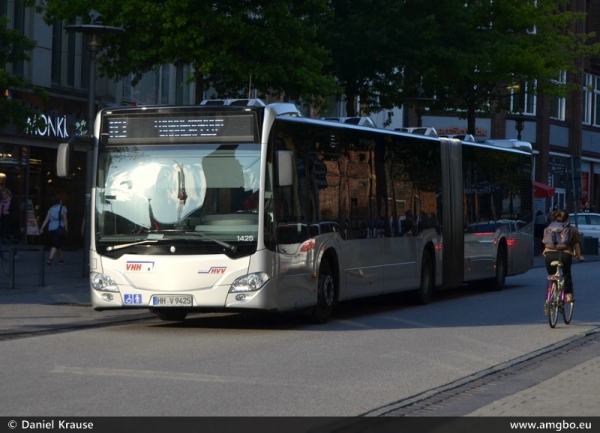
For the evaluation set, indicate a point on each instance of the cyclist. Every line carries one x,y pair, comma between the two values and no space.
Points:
563,255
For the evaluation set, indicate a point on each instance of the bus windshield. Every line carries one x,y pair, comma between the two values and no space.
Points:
194,192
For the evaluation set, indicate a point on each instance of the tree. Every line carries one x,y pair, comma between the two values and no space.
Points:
368,40
234,46
15,47
471,50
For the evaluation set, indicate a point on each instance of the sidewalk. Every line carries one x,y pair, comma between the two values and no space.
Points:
571,393
63,302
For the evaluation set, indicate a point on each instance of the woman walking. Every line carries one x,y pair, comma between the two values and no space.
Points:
56,219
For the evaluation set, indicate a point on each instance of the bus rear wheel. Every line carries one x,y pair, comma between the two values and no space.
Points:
322,312
423,295
501,263
170,314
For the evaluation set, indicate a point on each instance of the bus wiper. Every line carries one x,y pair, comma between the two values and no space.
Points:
131,244
230,247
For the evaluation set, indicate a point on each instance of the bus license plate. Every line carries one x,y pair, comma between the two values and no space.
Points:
172,301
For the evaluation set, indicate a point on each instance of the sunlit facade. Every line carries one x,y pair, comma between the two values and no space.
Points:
60,65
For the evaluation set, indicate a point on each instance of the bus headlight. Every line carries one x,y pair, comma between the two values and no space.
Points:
104,283
249,283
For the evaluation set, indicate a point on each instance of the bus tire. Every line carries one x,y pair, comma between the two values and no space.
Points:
170,314
326,297
501,264
423,295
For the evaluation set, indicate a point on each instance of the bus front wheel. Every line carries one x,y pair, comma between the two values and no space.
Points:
326,295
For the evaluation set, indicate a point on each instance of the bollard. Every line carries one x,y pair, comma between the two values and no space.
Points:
11,259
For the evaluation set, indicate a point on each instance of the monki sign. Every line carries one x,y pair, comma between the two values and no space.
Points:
53,126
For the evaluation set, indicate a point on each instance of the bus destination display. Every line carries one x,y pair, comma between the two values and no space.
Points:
202,128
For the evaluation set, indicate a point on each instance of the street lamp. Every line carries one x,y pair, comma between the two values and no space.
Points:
419,104
519,120
94,30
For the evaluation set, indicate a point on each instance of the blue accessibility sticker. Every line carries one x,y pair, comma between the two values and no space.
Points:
132,299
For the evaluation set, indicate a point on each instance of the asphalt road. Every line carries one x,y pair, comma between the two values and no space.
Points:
376,353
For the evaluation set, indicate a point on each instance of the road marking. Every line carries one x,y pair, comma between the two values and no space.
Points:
152,374
172,375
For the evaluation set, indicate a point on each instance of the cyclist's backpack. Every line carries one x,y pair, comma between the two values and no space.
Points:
557,236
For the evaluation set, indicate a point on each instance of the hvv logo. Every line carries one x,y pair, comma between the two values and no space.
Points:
139,266
214,270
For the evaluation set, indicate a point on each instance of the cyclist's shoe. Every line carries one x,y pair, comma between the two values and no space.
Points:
570,298
547,308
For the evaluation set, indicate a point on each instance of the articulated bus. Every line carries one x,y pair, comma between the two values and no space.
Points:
234,206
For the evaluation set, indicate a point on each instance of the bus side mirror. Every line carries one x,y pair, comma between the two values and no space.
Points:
285,168
63,159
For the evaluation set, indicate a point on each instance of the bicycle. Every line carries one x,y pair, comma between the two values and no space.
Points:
556,297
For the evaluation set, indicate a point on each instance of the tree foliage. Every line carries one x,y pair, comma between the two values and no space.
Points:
471,50
15,47
234,46
368,41
459,54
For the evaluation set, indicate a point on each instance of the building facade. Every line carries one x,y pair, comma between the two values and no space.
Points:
564,132
60,64
561,130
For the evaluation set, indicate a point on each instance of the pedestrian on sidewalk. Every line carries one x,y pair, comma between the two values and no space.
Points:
57,222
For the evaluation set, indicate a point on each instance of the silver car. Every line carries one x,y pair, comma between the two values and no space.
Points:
587,223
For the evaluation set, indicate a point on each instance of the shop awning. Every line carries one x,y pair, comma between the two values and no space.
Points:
541,190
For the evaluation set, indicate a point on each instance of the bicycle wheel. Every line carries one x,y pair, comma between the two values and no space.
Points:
553,315
567,312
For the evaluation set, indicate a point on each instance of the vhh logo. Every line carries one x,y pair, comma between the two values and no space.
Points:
139,266
134,266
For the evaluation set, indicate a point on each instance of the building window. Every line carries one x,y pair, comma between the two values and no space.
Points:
557,104
85,62
597,101
57,31
522,98
146,91
166,84
19,25
587,99
71,59
182,87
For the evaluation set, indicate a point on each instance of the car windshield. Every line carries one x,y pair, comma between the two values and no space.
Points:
177,191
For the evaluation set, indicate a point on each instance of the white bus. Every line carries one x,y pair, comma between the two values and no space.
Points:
239,206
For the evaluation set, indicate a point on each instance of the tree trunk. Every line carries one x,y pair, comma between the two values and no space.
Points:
199,95
350,104
471,108
471,119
